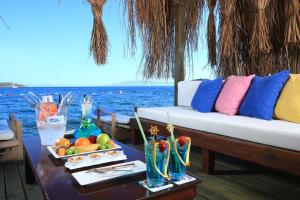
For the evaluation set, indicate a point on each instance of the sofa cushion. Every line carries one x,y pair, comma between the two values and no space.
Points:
288,104
276,133
5,132
120,118
186,91
262,95
206,95
233,91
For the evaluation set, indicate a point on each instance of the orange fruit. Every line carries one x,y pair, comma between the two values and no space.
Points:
82,142
61,152
63,142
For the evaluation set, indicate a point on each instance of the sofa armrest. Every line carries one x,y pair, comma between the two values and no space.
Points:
16,126
113,117
15,151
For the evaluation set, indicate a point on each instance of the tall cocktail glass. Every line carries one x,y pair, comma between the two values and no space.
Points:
179,159
156,164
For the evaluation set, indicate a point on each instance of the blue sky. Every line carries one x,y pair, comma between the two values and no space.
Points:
48,45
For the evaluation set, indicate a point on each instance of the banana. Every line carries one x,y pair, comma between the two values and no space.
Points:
87,148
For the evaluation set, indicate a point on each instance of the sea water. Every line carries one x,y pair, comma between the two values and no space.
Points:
107,98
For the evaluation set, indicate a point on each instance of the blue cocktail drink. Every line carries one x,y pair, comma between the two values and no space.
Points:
178,159
156,164
87,127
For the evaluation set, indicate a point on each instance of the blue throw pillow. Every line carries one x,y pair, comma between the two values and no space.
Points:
262,95
206,95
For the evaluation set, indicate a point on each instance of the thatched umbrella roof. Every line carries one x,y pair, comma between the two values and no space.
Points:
254,36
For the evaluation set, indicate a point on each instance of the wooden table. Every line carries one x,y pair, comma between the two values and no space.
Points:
56,182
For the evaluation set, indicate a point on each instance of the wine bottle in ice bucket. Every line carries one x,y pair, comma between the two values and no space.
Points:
51,123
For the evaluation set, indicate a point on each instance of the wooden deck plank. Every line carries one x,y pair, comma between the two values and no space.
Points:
31,191
261,179
14,189
2,183
251,181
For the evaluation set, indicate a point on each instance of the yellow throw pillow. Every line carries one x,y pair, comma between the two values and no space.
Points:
288,104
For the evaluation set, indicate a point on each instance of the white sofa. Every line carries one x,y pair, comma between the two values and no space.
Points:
275,134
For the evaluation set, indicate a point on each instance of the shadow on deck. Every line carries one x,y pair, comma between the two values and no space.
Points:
234,179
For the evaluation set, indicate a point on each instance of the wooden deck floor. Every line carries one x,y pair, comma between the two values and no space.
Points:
234,179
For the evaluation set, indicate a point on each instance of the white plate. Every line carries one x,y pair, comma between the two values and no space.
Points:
53,152
89,177
90,162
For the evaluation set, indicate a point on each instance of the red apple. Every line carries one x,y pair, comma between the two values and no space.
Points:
93,139
182,141
162,145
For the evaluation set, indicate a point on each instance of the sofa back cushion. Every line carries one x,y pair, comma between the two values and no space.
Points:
262,95
5,132
232,94
186,91
206,95
288,104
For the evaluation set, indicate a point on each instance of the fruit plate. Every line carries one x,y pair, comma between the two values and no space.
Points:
53,152
104,158
88,177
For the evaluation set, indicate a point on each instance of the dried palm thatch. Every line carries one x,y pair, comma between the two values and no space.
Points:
193,19
292,34
241,25
99,40
211,34
260,45
129,8
227,47
260,42
292,28
276,24
255,36
155,21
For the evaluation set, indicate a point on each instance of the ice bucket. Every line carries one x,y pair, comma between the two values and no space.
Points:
51,128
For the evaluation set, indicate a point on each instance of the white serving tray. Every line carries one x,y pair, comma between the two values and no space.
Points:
90,162
88,177
52,151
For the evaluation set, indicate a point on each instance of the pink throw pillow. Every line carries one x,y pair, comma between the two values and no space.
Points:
232,94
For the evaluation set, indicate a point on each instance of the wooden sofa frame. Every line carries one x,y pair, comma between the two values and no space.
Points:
117,132
13,149
273,157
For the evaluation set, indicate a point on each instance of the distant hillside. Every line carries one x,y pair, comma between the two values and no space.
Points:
141,83
9,84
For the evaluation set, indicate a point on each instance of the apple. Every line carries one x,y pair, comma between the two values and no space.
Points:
182,141
102,139
92,139
162,145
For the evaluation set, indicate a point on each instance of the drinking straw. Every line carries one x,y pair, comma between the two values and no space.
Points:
171,131
140,126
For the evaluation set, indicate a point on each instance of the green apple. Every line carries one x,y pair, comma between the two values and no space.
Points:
108,146
102,138
103,147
